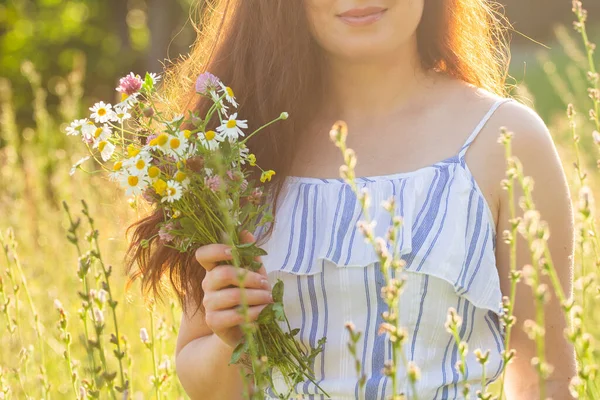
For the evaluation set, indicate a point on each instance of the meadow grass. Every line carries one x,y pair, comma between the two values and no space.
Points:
69,329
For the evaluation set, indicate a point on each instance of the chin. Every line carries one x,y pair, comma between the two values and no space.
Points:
364,48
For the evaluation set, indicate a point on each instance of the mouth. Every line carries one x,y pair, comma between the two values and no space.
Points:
362,16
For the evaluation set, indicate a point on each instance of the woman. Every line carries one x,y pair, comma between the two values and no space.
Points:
417,81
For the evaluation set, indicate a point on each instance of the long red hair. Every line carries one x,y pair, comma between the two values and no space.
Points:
264,50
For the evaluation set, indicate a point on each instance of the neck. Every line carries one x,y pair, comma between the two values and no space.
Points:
376,85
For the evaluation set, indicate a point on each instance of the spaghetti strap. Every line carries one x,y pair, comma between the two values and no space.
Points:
480,126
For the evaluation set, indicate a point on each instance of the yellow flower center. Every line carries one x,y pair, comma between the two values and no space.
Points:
232,123
132,180
162,139
101,146
229,91
153,171
132,150
124,96
210,135
160,186
140,164
171,191
101,111
97,132
153,142
180,176
118,165
175,143
187,133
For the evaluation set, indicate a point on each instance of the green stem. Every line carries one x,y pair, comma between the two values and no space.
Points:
153,351
513,262
260,129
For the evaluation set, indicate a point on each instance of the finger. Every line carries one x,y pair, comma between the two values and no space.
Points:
232,297
223,276
224,319
248,237
209,255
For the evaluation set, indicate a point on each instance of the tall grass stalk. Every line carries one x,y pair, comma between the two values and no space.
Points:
9,245
390,263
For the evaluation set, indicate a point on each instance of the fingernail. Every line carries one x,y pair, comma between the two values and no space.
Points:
227,251
265,283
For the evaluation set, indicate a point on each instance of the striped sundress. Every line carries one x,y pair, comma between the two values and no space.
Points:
332,276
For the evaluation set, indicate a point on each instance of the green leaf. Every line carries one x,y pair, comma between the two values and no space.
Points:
148,82
278,311
266,315
255,265
278,291
294,332
239,350
248,252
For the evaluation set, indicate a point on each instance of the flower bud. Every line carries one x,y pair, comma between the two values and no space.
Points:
148,112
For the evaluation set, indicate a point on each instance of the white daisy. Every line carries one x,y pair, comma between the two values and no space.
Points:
128,101
244,151
216,99
105,148
161,142
173,192
75,128
101,133
231,127
182,178
121,113
155,77
78,164
118,172
190,152
134,185
177,144
139,164
102,112
87,131
208,171
228,94
210,140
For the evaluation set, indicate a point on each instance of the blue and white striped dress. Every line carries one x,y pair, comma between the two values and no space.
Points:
331,276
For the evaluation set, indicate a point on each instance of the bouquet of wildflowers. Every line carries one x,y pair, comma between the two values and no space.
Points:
197,171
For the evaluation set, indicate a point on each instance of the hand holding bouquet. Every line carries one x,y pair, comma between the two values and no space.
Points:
197,170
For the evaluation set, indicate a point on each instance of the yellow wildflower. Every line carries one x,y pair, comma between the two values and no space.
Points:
267,175
132,151
160,186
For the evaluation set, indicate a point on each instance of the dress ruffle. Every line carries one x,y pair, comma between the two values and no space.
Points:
447,232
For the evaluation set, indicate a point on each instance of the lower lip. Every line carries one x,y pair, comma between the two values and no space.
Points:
362,21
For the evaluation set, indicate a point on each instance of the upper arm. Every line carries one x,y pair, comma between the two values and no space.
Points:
532,145
193,325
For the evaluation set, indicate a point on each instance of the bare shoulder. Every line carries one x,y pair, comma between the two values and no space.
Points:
531,136
531,143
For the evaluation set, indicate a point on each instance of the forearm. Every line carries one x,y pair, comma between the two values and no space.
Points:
555,389
203,370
